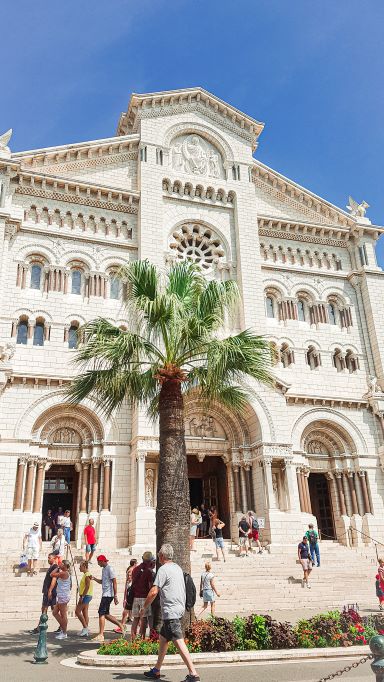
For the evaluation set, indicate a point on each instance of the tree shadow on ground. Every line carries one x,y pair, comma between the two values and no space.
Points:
23,644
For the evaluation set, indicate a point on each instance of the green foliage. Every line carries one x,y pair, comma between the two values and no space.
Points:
139,647
256,631
175,320
239,625
333,629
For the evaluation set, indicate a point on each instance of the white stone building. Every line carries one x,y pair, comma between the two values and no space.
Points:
180,180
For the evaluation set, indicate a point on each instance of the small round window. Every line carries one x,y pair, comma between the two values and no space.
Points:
197,244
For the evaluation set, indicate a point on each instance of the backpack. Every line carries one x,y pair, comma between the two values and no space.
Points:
255,524
190,592
312,538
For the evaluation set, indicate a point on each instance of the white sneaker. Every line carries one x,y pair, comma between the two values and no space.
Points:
84,632
62,635
308,585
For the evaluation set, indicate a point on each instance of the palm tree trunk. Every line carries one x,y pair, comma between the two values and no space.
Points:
173,504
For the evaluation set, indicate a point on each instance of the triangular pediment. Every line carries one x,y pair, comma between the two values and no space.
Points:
189,99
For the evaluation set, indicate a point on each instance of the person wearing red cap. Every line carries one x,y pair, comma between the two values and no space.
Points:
108,595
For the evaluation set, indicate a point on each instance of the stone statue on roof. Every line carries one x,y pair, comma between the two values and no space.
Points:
4,139
357,210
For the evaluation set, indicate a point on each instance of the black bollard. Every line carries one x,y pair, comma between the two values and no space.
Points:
41,653
376,644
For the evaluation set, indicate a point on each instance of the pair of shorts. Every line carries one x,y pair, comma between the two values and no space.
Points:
46,603
208,596
105,605
243,540
86,599
193,531
32,552
219,542
306,564
90,548
171,629
254,535
138,604
62,600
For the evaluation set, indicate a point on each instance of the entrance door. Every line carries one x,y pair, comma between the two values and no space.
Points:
208,484
60,490
322,504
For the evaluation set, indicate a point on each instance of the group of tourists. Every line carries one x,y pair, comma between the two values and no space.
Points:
249,531
309,553
143,586
202,523
57,530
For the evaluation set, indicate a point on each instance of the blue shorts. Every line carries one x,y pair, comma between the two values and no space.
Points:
86,599
90,548
219,542
209,595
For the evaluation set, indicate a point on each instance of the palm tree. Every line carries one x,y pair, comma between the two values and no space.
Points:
175,346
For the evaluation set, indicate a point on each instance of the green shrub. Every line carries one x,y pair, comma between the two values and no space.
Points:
281,635
256,630
239,625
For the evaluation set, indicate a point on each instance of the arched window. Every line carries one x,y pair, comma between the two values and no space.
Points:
22,331
332,313
76,277
301,314
270,307
287,355
351,361
313,358
114,287
338,360
73,335
38,334
36,271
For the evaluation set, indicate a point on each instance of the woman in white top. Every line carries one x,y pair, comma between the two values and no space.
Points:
59,544
208,589
195,521
64,586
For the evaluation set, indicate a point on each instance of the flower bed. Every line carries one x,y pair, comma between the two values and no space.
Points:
256,632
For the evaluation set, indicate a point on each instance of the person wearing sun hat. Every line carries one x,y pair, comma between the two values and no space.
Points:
33,545
108,584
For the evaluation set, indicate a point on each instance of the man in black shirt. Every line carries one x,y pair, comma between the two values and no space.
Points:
304,558
244,528
48,581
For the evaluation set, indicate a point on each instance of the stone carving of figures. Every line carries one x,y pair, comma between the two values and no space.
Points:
65,436
373,386
7,351
275,487
208,427
177,157
214,167
195,156
4,139
149,487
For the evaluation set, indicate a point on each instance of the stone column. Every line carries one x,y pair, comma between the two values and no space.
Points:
346,491
140,459
107,484
84,486
236,482
244,501
28,486
19,484
301,491
352,489
251,495
291,483
306,491
343,510
38,487
267,463
95,486
363,481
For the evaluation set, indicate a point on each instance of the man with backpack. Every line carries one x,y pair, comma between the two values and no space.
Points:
253,534
313,541
175,596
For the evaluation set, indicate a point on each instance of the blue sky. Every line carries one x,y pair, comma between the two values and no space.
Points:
311,70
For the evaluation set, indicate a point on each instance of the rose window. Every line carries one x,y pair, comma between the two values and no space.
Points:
198,244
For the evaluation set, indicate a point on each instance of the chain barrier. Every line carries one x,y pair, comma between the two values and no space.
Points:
347,668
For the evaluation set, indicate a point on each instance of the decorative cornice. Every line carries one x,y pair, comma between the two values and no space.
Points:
186,191
74,192
76,152
303,232
325,401
156,104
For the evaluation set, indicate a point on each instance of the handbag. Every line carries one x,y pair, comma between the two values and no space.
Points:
23,560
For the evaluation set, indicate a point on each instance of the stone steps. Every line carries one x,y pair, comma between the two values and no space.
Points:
271,581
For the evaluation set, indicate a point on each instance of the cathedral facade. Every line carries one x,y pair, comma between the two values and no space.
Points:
181,179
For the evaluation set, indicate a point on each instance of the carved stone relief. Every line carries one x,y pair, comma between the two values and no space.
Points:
204,426
316,447
149,488
65,436
192,154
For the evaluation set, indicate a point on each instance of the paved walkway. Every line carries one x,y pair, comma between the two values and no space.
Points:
17,664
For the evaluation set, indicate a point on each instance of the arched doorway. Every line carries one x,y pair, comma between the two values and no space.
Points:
208,485
321,503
